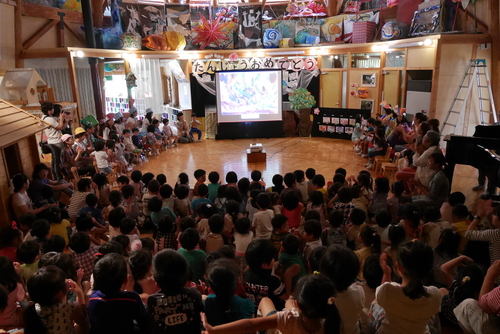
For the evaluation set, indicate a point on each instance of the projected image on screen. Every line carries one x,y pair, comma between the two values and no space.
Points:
244,96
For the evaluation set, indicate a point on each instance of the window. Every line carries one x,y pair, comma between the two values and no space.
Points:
365,60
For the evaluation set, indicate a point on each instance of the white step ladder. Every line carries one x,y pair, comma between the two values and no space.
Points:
477,72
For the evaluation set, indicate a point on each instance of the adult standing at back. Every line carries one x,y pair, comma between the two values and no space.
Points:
54,134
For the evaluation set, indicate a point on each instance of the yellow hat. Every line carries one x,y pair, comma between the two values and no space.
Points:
79,130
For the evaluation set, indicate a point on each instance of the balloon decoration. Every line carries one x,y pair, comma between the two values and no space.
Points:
210,31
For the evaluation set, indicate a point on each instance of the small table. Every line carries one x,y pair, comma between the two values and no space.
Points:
253,157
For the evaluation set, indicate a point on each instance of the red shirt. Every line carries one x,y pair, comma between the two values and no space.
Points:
294,216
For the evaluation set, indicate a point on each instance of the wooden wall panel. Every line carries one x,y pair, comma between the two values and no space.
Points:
421,57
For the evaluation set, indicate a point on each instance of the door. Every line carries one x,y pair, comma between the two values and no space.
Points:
392,87
331,90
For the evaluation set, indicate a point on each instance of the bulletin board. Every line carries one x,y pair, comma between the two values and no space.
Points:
336,122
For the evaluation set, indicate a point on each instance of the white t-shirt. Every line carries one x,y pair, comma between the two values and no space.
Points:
101,158
262,224
241,241
19,199
350,305
53,135
404,315
290,322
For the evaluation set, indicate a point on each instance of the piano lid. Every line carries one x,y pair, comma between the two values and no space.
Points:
487,131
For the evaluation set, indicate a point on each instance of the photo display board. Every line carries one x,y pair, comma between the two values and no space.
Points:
336,122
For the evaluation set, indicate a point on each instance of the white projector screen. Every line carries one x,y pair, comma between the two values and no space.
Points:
249,96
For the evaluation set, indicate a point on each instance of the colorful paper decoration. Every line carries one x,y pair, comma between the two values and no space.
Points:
250,27
155,42
175,40
301,98
209,31
393,30
332,28
152,19
310,64
110,36
131,40
271,38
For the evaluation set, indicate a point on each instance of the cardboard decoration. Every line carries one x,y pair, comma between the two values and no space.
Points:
285,27
178,19
229,19
307,32
332,29
426,21
131,21
250,27
152,19
350,19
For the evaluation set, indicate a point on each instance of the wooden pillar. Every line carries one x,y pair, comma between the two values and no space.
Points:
435,80
18,33
74,86
494,30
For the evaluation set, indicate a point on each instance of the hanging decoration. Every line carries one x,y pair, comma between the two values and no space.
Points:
210,31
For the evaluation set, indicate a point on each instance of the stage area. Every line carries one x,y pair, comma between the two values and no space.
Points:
283,155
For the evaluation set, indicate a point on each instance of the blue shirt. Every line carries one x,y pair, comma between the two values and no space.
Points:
239,308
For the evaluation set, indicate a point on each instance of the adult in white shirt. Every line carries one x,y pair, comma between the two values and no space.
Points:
21,202
132,121
148,120
54,134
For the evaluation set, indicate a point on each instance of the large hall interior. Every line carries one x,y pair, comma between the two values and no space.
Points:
333,107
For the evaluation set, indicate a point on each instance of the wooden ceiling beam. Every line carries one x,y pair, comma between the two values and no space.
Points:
37,35
50,13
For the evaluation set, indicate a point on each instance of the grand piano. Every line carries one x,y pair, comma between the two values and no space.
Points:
478,151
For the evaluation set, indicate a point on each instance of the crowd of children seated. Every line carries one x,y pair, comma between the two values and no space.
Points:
239,256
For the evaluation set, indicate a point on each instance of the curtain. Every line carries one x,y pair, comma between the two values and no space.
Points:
58,78
149,92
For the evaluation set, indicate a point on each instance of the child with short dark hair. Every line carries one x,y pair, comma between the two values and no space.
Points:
292,207
312,236
256,177
291,256
162,179
393,203
122,181
29,253
318,182
202,198
258,280
85,186
341,265
91,208
262,219
222,306
301,184
344,203
182,203
166,195
317,202
213,186
280,231
129,229
356,218
55,243
201,176
83,253
242,235
215,239
378,198
136,177
158,211
195,257
175,308
153,189
383,219
110,308
310,173
130,203
50,312
335,233
165,236
41,231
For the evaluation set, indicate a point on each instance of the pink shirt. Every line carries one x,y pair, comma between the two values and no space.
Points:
9,317
490,302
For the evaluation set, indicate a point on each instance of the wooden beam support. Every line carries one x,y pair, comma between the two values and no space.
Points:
37,35
74,85
60,31
18,33
29,9
98,13
79,37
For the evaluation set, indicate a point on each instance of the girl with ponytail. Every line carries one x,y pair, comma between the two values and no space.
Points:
312,310
407,307
371,242
411,222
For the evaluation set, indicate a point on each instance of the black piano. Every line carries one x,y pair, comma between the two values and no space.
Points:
477,151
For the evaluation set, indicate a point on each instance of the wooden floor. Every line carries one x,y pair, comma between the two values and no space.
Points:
283,155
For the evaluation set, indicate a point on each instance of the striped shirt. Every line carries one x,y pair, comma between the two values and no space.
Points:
492,236
490,302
